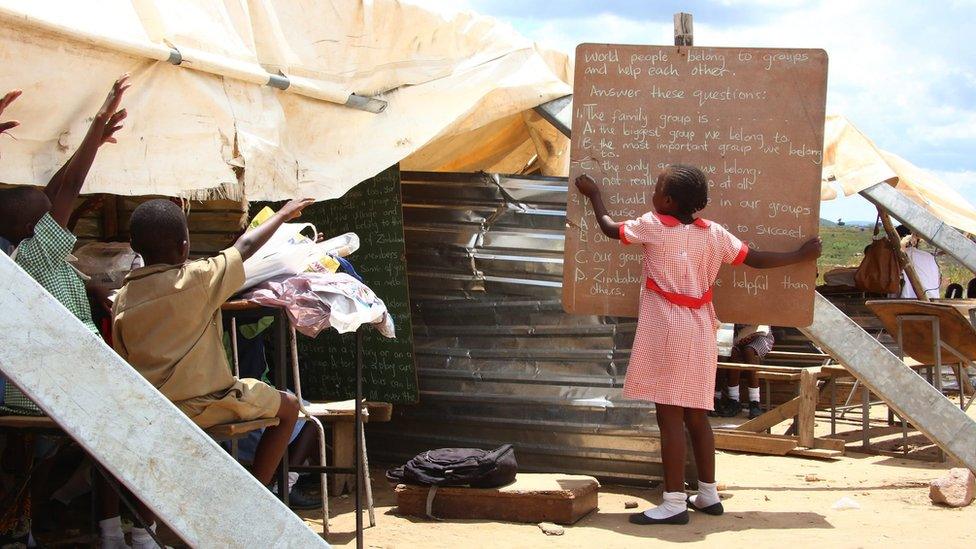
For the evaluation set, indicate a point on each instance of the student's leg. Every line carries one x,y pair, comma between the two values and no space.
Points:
703,444
268,454
750,356
673,510
734,380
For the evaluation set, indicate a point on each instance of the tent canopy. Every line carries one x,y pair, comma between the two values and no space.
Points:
856,163
463,82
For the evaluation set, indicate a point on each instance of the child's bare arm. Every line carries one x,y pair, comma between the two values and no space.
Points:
587,187
768,260
4,102
252,241
65,185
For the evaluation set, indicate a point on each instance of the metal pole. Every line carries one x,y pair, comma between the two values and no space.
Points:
200,61
359,437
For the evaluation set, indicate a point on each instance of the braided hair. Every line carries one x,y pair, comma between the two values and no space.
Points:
688,186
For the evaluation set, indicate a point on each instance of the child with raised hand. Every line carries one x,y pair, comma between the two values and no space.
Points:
674,356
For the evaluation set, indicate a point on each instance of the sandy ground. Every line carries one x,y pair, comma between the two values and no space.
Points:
770,502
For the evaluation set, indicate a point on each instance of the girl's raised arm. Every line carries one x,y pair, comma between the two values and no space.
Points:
587,187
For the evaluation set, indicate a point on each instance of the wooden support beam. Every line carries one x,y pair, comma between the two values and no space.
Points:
772,418
817,453
903,260
684,34
755,443
806,414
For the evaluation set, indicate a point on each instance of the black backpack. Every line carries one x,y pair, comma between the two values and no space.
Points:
459,467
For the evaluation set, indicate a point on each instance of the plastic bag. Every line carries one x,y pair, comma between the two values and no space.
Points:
107,263
316,301
342,246
287,252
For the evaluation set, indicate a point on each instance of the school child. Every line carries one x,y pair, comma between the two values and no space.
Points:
34,231
750,345
167,325
675,350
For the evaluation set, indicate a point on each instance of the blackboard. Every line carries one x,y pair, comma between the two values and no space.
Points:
373,211
752,119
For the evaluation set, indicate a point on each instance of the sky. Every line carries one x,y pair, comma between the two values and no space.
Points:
903,72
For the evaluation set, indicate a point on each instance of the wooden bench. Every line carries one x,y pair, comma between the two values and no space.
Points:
224,431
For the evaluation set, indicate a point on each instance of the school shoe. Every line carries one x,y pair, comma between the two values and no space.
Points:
715,509
730,408
754,409
298,500
642,519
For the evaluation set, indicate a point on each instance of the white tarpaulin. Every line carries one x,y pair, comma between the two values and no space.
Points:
854,161
459,76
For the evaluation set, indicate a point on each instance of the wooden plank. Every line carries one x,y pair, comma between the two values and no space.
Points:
755,443
771,418
122,421
739,142
834,444
806,414
28,422
816,453
235,430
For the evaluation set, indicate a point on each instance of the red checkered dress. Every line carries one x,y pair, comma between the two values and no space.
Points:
675,353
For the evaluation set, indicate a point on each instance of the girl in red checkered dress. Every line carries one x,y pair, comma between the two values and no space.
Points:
675,353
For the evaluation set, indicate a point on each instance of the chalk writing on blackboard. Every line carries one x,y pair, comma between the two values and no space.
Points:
751,119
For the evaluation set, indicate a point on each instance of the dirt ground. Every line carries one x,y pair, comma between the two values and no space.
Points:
770,502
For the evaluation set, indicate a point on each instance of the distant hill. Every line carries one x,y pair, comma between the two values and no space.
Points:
827,223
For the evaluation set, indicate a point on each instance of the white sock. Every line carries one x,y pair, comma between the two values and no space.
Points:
734,393
292,479
111,527
707,495
674,503
718,395
141,538
753,394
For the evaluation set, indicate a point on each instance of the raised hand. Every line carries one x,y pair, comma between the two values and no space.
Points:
109,118
587,187
7,100
293,208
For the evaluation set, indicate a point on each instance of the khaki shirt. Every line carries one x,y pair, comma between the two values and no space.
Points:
167,324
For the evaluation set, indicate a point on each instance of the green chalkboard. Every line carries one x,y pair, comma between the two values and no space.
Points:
373,211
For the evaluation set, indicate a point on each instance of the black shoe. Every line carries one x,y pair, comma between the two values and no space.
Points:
298,500
641,518
754,409
716,407
713,509
729,408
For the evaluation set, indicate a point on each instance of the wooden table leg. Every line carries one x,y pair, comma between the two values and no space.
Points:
344,449
806,415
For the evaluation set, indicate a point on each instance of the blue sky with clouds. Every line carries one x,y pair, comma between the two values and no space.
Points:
904,72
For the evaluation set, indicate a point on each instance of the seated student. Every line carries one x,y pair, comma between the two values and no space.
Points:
33,230
954,291
167,325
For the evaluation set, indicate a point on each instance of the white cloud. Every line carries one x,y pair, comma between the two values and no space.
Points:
963,181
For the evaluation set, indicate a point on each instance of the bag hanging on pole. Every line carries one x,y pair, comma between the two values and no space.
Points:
879,271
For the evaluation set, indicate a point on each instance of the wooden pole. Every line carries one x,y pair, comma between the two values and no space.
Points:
903,260
684,34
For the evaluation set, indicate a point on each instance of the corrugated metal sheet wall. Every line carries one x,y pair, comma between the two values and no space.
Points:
498,360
